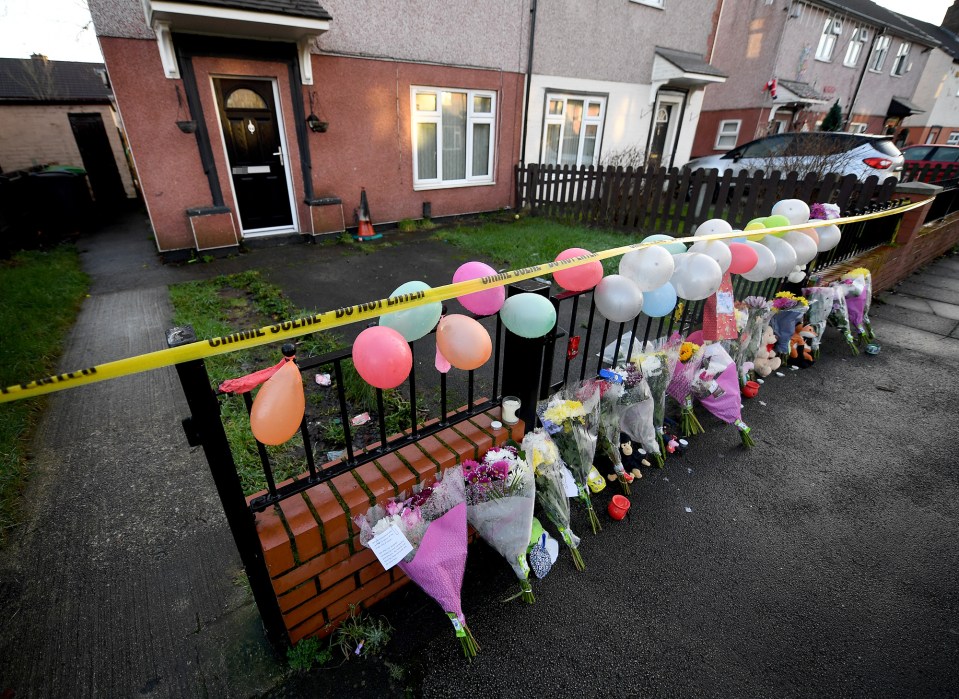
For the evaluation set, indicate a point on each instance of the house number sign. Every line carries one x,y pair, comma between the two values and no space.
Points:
250,127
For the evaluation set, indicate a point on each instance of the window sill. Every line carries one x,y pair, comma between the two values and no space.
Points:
823,60
650,3
450,185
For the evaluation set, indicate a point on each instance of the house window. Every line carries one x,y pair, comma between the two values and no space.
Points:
854,50
572,129
452,137
953,139
899,65
827,42
728,134
651,3
879,53
857,127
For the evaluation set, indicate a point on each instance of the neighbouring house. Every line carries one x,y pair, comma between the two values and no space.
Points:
622,84
938,89
265,118
61,113
790,61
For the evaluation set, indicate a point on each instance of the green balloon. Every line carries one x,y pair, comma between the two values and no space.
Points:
674,248
413,323
528,315
776,221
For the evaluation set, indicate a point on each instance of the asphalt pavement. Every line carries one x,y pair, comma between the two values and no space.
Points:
820,563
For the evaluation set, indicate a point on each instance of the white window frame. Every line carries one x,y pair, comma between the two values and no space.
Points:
722,133
878,55
953,139
859,38
902,54
827,40
436,117
858,127
560,119
658,4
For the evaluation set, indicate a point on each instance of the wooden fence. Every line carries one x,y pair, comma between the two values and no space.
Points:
678,200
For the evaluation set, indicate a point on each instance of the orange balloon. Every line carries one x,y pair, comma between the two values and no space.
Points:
812,233
279,406
463,341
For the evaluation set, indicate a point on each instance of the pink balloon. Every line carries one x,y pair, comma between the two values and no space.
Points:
579,278
482,303
382,357
744,258
811,232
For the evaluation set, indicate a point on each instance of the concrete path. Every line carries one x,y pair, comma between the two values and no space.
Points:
821,563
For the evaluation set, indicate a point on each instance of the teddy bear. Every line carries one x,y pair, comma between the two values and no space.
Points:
766,360
799,352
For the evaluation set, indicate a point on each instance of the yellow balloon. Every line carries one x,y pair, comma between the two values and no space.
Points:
279,406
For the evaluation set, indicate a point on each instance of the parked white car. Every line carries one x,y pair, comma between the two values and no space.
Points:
861,155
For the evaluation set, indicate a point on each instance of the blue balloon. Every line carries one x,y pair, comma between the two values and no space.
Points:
674,248
659,302
413,323
528,315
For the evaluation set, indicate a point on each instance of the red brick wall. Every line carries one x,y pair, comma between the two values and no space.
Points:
312,548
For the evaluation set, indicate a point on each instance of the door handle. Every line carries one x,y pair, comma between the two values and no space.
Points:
280,153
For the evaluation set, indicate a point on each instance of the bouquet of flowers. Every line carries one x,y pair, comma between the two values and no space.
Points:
681,386
551,474
610,413
571,416
757,310
821,300
500,494
657,365
860,280
725,402
636,420
839,316
788,309
433,520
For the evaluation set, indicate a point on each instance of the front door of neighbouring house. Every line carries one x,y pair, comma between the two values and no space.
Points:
259,166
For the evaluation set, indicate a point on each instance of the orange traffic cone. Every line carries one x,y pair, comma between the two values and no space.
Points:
365,230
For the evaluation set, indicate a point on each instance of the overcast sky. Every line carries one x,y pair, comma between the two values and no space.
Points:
62,30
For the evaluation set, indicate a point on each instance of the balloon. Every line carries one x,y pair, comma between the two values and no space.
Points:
278,407
755,226
578,278
744,258
712,226
697,277
648,268
811,234
765,263
463,341
659,302
796,210
528,315
783,252
756,223
803,245
482,303
674,248
382,357
796,276
716,249
412,323
618,298
829,237
776,222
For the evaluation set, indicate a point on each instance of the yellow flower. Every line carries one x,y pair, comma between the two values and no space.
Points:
858,272
687,350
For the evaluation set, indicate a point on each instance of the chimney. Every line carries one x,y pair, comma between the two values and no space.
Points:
951,20
39,57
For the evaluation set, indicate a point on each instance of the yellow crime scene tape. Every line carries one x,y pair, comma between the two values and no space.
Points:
289,329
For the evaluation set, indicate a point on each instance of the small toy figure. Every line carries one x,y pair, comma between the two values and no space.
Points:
799,352
766,360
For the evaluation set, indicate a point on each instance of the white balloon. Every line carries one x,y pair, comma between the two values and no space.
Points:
765,265
697,277
648,268
618,298
796,210
803,245
829,237
716,249
713,225
797,275
783,252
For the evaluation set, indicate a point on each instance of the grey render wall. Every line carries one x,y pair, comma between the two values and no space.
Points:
614,40
937,92
120,18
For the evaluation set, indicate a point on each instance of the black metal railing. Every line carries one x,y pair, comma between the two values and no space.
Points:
946,202
863,236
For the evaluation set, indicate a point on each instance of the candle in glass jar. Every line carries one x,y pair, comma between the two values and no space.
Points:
510,406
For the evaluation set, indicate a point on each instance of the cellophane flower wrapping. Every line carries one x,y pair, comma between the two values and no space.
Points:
543,456
859,300
657,364
787,310
725,404
571,416
433,519
610,414
757,310
821,300
681,386
638,409
839,317
500,494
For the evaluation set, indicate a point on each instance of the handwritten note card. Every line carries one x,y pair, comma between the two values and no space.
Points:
390,547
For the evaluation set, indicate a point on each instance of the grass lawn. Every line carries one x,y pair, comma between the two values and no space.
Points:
41,292
531,241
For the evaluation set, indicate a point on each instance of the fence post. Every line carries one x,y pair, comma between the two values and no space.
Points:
204,428
523,358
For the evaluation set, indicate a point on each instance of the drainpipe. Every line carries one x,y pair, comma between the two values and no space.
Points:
529,79
862,74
